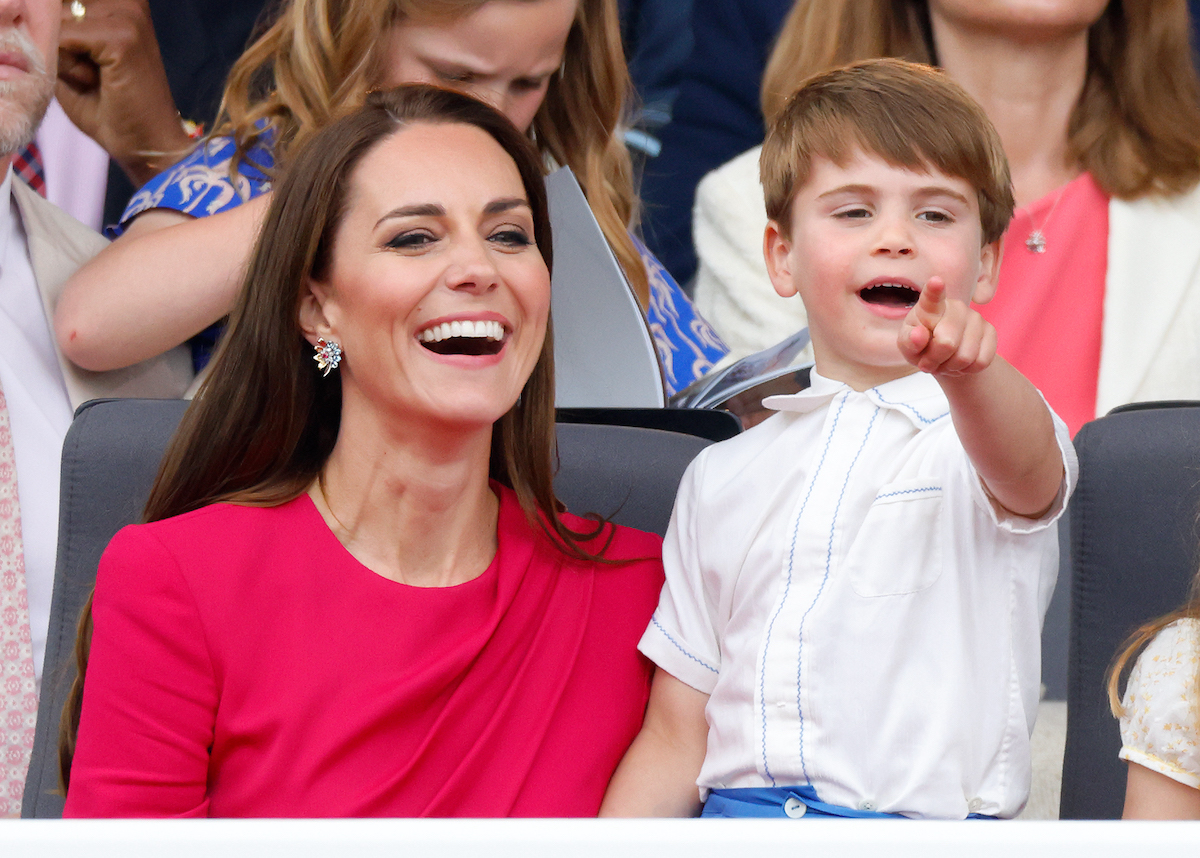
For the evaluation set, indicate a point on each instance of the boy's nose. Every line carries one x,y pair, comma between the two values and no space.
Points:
893,238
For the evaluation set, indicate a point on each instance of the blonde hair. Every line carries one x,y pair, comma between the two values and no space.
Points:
909,115
319,58
1136,127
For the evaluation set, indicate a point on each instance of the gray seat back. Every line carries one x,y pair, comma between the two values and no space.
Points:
1134,552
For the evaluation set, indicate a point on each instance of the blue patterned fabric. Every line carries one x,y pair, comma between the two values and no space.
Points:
200,185
687,345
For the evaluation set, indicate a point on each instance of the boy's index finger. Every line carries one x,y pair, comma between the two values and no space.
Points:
931,305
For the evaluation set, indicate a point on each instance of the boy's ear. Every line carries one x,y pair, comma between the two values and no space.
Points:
313,320
777,252
989,272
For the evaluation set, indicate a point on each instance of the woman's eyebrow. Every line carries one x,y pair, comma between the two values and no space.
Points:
419,210
506,204
435,210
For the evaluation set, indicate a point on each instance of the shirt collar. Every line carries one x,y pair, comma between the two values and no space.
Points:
917,396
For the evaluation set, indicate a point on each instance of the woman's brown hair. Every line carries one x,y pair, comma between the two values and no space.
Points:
1136,127
320,57
265,420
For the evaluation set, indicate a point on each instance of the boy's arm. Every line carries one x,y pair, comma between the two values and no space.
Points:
657,776
1001,419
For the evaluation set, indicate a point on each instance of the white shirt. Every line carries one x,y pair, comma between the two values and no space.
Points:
39,412
840,584
76,167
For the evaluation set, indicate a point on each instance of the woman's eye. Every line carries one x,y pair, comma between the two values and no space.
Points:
528,84
410,240
511,238
461,76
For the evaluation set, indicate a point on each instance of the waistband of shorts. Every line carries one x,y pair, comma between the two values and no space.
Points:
794,802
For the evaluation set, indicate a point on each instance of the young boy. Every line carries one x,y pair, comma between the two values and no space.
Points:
851,620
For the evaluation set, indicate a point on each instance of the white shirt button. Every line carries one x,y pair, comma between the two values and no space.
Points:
794,808
867,805
974,805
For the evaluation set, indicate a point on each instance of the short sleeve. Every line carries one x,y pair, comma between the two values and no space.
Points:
150,696
1020,524
1160,729
682,637
201,185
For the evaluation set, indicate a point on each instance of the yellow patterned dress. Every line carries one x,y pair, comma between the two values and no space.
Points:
1161,726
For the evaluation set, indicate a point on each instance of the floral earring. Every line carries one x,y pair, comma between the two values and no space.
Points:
328,356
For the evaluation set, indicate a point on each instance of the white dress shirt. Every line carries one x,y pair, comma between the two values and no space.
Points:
76,168
39,412
863,618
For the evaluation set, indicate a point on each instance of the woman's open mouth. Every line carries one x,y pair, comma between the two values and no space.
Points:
464,338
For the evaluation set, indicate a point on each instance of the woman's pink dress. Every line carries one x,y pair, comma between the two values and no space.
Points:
245,664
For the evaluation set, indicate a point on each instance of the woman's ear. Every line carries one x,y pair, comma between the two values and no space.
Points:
778,255
989,272
313,320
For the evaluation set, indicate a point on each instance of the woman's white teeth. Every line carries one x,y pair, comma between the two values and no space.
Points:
475,330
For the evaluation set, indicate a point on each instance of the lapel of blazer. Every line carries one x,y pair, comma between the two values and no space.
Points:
58,245
1153,258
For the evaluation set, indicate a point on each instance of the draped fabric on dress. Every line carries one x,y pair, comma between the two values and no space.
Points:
244,664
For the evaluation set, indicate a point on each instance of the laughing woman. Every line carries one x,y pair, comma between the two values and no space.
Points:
356,595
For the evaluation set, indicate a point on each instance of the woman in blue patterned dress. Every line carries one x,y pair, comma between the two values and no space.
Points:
554,67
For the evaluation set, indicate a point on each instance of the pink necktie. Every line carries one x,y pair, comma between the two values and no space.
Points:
18,692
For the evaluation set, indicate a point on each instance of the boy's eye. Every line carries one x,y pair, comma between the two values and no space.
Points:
854,213
935,216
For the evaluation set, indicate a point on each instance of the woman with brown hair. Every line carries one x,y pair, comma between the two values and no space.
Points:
555,67
356,594
1098,106
1160,714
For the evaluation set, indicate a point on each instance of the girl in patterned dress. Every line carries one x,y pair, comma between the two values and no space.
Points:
1160,714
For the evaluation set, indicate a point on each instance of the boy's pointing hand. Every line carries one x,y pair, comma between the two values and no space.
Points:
945,336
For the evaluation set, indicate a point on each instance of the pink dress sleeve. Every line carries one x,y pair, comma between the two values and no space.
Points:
150,691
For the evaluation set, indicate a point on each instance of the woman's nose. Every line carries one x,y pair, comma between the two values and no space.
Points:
472,267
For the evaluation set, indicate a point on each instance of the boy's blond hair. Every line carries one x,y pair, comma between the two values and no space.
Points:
910,115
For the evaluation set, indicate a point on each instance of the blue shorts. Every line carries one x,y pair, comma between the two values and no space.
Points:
785,803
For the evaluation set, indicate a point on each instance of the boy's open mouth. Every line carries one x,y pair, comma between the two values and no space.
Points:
464,338
890,295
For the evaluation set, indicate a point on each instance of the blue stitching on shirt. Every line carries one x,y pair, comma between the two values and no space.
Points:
762,693
680,647
828,562
926,420
909,492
